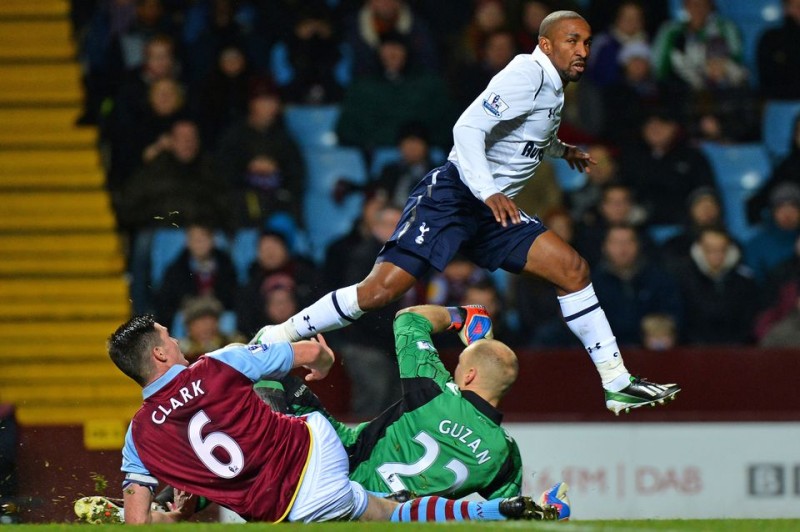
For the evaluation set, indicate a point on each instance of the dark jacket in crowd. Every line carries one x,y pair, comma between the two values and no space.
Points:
719,309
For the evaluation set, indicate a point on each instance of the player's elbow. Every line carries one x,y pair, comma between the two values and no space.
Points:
406,310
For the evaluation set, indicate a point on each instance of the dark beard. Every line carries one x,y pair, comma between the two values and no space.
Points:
567,75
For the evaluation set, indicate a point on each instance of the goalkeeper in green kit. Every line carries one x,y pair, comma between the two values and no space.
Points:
444,436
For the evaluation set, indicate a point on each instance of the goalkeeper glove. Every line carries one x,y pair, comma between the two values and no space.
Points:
472,323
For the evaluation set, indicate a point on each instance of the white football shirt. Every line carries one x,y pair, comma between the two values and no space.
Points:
500,139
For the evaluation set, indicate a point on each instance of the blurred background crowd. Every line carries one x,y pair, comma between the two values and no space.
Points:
258,153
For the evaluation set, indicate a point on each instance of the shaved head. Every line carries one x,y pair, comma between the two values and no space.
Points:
566,39
552,20
495,363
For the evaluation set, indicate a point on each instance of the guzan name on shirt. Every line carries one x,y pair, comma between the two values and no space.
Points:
160,416
462,434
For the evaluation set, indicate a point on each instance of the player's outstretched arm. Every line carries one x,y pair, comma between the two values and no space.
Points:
438,316
472,322
315,356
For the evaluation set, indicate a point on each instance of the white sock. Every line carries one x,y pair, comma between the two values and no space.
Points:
586,319
332,311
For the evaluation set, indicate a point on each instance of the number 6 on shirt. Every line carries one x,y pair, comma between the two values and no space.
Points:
204,448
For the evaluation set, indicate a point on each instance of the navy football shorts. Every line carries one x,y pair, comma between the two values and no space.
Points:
442,217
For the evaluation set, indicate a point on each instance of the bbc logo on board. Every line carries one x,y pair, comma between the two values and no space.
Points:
773,480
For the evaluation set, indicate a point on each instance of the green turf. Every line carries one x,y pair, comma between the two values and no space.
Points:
711,525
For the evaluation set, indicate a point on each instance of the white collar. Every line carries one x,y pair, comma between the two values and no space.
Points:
540,57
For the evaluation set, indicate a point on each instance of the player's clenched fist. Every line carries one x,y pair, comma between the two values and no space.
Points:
472,322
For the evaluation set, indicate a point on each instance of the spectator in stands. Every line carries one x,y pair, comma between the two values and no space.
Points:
366,28
787,171
472,77
704,50
617,207
398,178
313,56
107,21
127,50
659,332
532,13
603,12
151,136
486,293
604,67
703,210
177,187
628,100
376,106
718,292
275,266
701,61
583,123
157,59
219,99
584,201
367,348
663,169
280,303
210,27
202,269
541,323
632,285
132,103
786,332
780,293
778,61
447,288
542,194
488,17
774,242
201,316
360,232
261,162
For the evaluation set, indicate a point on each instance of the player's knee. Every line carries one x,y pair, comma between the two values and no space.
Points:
576,273
375,295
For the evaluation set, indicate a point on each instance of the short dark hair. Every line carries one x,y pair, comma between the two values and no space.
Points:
555,17
130,345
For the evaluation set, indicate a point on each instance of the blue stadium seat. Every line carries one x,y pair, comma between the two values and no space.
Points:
777,127
739,170
279,65
382,157
438,156
325,220
388,154
737,10
282,70
312,125
165,247
661,233
244,250
741,11
568,178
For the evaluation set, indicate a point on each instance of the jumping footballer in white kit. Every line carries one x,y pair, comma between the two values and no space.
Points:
467,206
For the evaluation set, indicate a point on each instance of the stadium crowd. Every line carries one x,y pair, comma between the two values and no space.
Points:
190,98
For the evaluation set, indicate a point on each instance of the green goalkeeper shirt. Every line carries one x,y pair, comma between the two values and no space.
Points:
436,439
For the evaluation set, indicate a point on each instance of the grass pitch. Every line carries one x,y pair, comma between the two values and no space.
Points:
710,525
